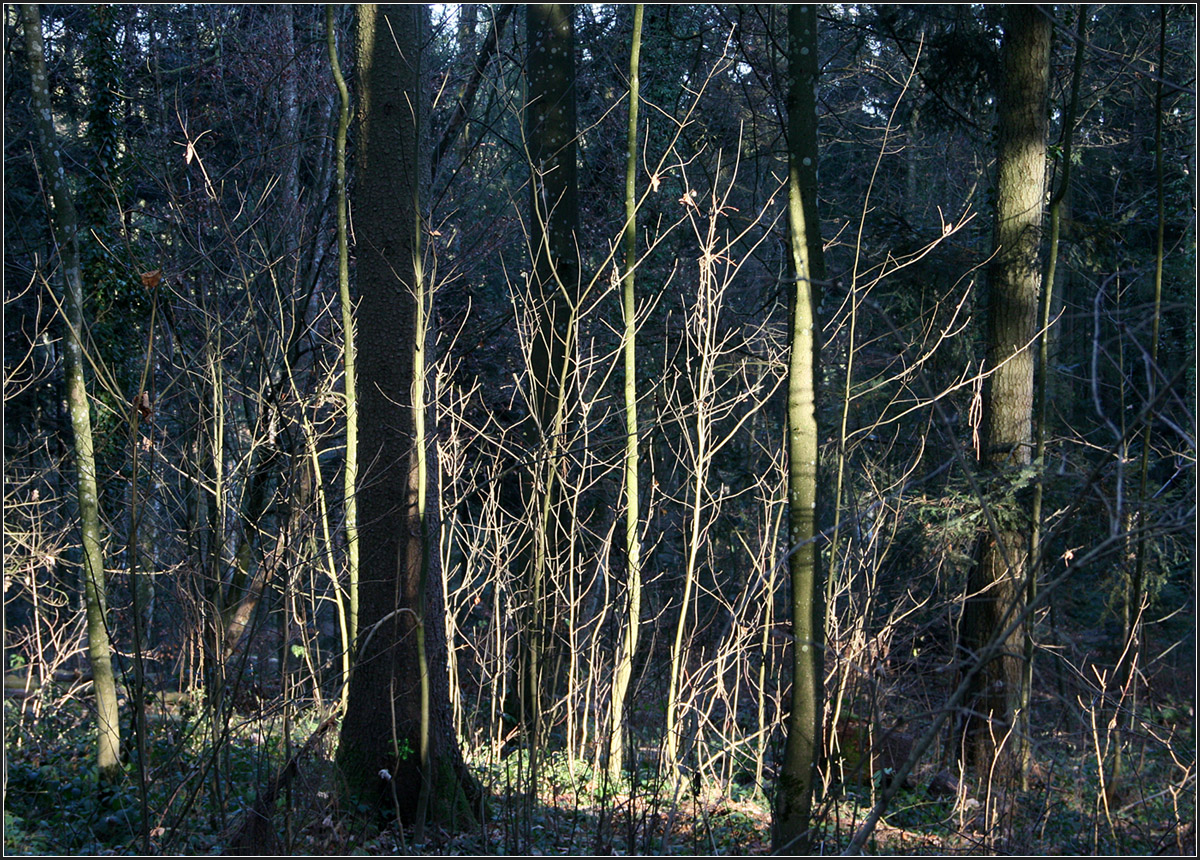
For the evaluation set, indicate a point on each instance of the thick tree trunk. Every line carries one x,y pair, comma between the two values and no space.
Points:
398,711
793,798
553,204
553,220
996,584
66,229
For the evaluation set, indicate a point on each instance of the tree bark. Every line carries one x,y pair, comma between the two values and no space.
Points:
793,799
996,584
66,234
397,739
631,616
553,220
553,204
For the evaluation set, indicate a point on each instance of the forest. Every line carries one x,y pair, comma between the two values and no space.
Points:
599,429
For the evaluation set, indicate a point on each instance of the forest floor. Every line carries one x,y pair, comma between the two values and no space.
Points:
51,806
197,801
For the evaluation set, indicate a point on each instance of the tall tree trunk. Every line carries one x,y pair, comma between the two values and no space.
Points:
623,670
996,584
1043,381
397,739
553,204
553,216
66,234
793,798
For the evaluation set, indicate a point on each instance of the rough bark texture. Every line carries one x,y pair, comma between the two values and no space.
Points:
793,798
997,581
382,727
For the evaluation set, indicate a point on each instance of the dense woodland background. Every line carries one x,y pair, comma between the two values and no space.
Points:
198,144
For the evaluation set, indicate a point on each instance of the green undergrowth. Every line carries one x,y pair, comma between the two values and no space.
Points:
54,803
196,799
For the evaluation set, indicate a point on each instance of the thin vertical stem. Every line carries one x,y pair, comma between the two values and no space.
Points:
1039,455
350,503
633,587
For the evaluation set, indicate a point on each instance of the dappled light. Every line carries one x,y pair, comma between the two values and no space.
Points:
599,429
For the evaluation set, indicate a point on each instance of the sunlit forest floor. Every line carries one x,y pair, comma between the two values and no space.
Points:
204,789
1070,807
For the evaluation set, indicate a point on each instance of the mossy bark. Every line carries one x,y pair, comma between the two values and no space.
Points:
794,791
66,234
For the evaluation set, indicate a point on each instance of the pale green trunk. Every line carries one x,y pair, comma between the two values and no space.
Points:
349,500
66,225
794,792
623,669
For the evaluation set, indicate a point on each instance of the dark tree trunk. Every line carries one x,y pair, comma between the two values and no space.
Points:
553,204
383,727
553,221
997,582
